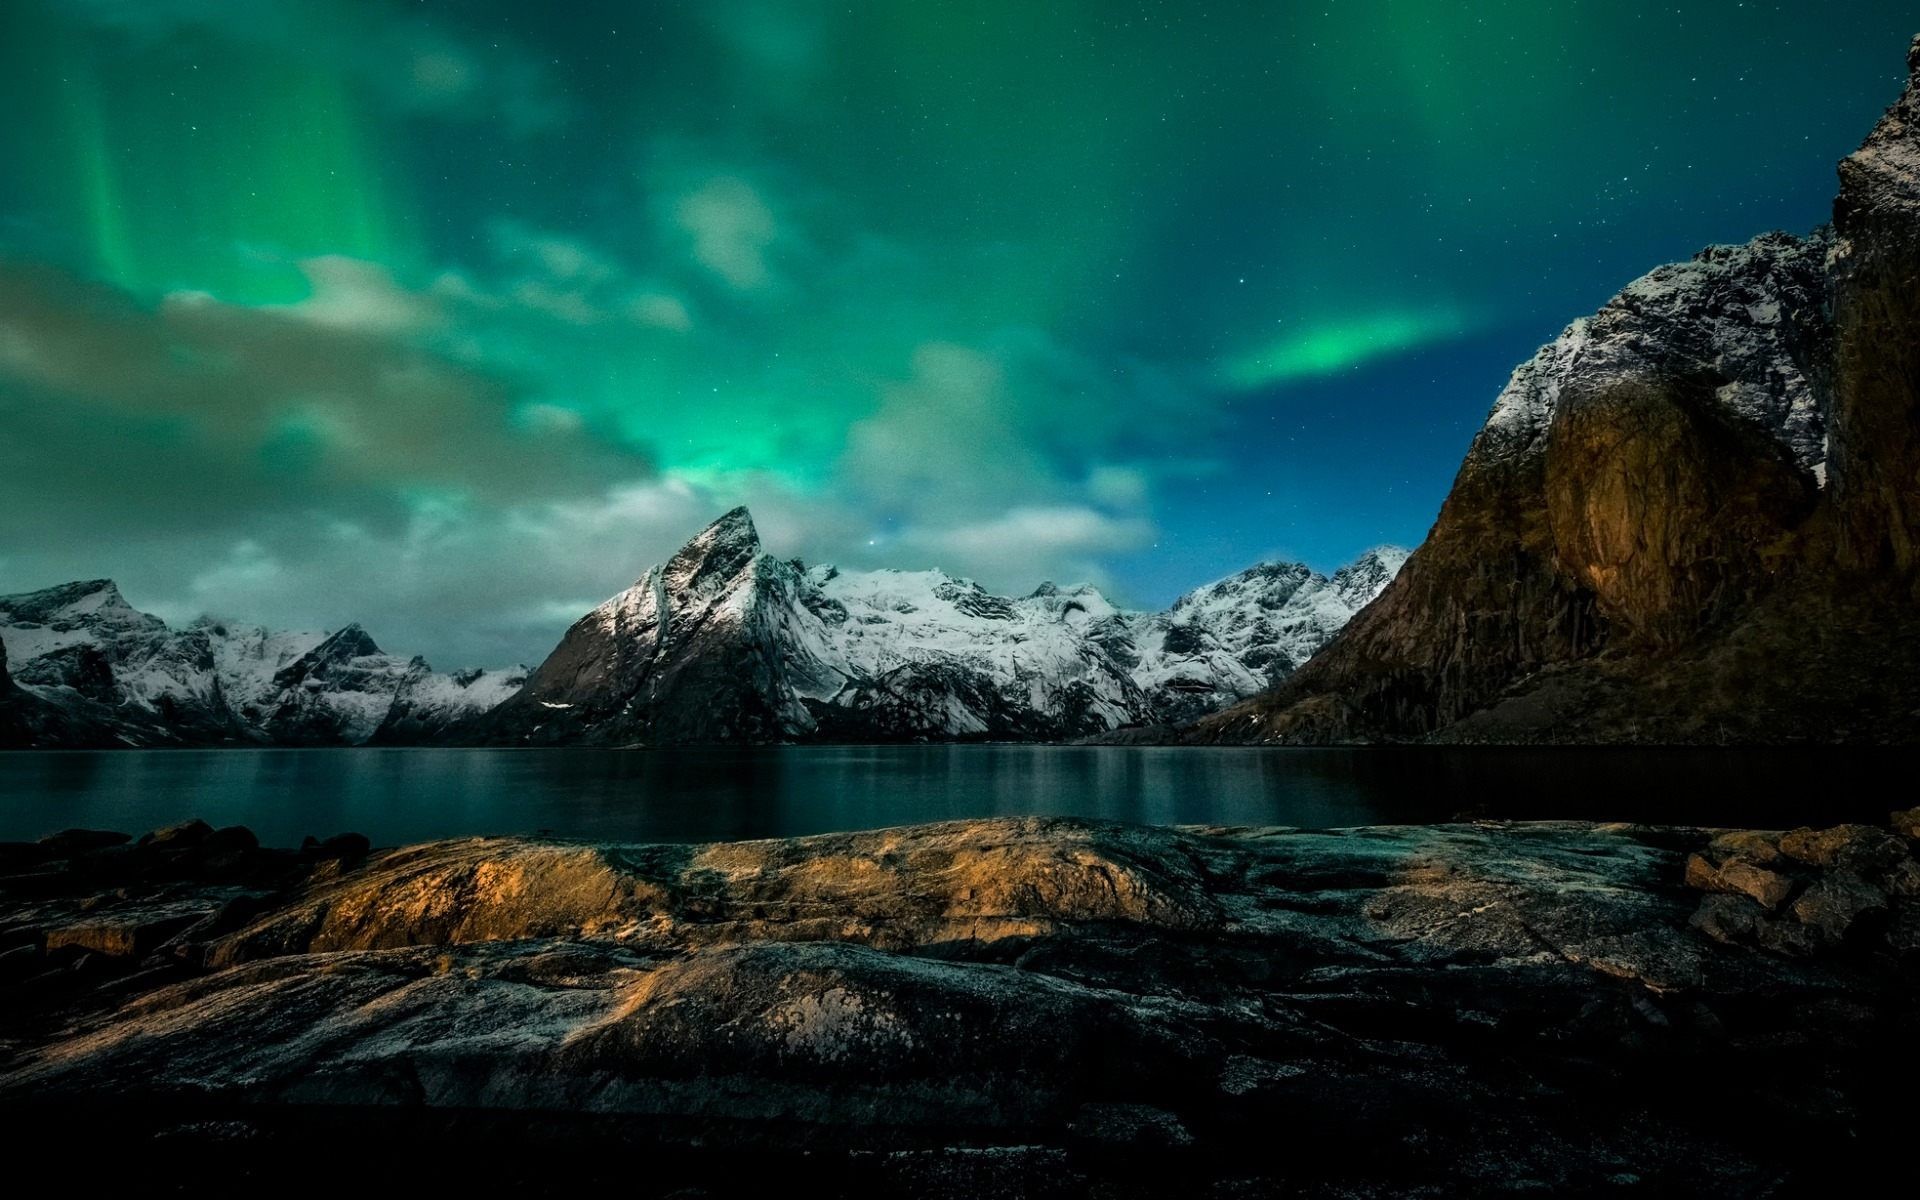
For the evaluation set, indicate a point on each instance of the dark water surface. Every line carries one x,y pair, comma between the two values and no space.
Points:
397,796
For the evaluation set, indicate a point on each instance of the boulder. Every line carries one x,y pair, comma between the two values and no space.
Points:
1833,904
343,847
1739,877
69,842
1859,847
185,835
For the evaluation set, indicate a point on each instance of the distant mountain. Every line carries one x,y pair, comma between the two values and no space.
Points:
87,668
725,643
1244,634
1693,517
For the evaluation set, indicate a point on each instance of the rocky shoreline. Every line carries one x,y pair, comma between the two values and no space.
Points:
1001,1007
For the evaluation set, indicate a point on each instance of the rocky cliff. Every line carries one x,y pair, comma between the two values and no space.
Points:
988,1008
1689,518
726,643
1876,317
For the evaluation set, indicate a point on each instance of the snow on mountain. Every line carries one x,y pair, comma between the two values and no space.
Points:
127,678
1752,317
725,643
1241,635
247,657
427,702
722,642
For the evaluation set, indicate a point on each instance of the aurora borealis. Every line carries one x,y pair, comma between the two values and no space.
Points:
451,317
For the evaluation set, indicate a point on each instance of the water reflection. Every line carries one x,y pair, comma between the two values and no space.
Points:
681,795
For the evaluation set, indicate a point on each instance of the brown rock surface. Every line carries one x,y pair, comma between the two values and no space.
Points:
989,1004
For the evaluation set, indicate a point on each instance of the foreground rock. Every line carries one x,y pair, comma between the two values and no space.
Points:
980,1008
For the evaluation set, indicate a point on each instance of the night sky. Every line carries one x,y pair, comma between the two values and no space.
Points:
451,317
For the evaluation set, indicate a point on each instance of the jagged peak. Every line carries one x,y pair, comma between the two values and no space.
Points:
68,593
350,641
735,523
733,528
1884,173
1386,554
1050,588
67,601
1271,570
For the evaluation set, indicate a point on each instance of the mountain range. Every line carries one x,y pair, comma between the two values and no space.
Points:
81,666
722,643
726,643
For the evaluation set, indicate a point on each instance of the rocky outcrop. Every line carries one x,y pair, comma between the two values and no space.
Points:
726,643
1669,511
1810,890
1113,1008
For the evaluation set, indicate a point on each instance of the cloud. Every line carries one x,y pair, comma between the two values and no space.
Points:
1019,420
661,311
351,294
1118,487
1327,347
1027,543
330,394
946,437
468,585
1012,463
731,230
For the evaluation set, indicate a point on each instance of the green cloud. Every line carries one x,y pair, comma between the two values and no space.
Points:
1341,345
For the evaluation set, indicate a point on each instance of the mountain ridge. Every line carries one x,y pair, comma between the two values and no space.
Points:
778,650
726,643
86,668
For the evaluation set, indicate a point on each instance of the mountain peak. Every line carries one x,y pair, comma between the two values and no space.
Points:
1368,575
732,533
719,552
1386,553
1883,175
351,641
735,522
82,600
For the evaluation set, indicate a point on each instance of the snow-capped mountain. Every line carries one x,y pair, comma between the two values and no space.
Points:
724,643
720,643
427,702
114,675
1240,636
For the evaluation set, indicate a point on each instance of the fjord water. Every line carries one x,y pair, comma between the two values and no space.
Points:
397,796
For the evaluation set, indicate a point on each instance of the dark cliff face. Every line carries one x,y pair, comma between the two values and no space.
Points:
1675,512
1876,310
26,720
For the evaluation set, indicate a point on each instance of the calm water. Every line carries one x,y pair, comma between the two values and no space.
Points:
398,796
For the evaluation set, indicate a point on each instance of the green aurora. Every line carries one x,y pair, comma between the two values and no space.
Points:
450,317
